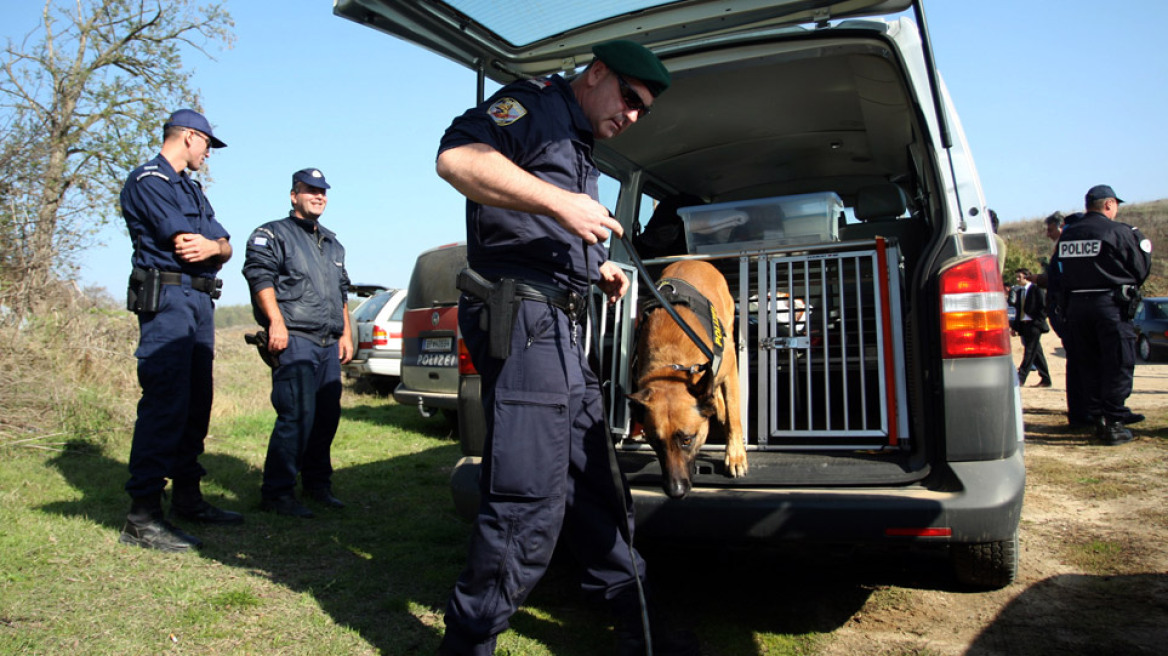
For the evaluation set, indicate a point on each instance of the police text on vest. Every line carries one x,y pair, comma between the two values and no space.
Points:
1085,248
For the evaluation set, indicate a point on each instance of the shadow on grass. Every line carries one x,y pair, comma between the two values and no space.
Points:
385,565
396,546
1123,614
1050,427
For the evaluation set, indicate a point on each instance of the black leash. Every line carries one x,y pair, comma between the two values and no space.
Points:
644,273
618,480
614,466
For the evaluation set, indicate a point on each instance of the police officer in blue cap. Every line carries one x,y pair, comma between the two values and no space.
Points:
295,268
1097,269
178,249
524,161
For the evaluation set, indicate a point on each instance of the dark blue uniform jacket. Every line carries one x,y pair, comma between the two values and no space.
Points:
1095,253
307,270
159,203
538,125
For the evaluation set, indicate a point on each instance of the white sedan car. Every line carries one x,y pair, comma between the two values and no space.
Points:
377,330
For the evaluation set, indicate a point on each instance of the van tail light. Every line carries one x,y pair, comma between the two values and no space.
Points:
974,323
919,532
379,336
465,366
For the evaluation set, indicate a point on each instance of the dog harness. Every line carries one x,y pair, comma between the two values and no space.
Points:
679,292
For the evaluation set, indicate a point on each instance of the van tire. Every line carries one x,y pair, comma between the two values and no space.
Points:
383,385
1144,348
986,565
472,423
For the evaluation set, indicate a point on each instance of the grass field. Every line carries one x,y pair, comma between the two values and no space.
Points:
372,578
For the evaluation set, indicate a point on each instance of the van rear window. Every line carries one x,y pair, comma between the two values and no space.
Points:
433,281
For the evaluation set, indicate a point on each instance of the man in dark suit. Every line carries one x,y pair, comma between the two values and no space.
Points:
1029,324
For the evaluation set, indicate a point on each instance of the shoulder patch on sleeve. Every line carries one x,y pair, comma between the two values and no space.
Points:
261,236
143,174
1146,245
506,111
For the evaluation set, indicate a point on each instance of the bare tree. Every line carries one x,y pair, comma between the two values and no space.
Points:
82,101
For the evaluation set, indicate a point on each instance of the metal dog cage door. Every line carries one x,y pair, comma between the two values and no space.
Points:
828,337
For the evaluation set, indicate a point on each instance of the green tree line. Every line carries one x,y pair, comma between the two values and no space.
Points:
1028,246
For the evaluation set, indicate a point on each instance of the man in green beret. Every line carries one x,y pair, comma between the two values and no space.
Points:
535,232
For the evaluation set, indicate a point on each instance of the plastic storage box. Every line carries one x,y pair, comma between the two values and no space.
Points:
762,222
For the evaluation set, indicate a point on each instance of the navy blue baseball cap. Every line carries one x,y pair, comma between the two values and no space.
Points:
189,118
1099,192
311,177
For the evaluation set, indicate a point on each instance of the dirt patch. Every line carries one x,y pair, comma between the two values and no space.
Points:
1093,575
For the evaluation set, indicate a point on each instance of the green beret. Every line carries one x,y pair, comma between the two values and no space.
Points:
634,60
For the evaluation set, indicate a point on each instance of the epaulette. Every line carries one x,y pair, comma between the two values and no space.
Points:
143,174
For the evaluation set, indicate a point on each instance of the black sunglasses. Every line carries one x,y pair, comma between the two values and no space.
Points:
632,100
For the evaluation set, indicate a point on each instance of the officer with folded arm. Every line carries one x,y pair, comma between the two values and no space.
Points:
178,249
1097,270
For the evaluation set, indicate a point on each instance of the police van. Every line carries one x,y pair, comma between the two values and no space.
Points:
832,185
436,371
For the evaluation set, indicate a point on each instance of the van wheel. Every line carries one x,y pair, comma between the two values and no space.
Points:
986,565
1144,348
472,423
383,385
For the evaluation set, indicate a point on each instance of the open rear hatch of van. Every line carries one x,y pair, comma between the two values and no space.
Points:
507,44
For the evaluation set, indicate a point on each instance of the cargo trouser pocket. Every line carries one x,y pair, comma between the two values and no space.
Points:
530,447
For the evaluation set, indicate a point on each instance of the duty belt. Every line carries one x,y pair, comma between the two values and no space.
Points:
569,302
501,300
480,287
208,285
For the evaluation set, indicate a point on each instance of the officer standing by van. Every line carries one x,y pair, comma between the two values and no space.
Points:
178,249
295,268
1098,267
524,161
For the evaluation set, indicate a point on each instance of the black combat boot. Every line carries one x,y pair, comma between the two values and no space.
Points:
323,494
1112,432
188,504
146,527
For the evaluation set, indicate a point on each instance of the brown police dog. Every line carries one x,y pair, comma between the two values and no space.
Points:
675,391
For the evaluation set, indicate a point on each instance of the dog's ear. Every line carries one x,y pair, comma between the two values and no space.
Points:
641,397
706,407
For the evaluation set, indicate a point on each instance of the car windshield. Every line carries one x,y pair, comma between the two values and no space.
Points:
521,23
1158,310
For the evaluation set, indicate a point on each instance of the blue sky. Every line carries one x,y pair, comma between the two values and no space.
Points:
1055,96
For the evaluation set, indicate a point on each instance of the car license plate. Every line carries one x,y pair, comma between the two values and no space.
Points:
436,345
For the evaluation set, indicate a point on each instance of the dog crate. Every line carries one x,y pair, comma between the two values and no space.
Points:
819,338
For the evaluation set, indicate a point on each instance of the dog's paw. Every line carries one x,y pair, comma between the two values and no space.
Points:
736,465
